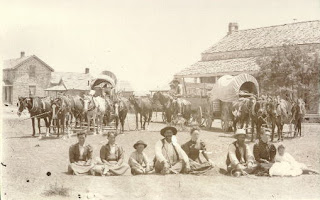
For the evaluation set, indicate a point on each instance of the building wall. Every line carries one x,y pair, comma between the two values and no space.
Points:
22,81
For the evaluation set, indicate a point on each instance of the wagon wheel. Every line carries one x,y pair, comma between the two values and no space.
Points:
225,125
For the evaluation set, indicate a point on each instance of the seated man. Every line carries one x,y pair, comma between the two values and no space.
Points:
138,160
239,159
111,158
170,158
80,156
264,151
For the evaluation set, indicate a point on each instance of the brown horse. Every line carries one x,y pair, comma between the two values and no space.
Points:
258,118
38,108
121,108
166,102
142,106
298,112
241,112
77,110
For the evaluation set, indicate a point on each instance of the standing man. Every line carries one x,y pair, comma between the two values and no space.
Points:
240,160
170,158
264,151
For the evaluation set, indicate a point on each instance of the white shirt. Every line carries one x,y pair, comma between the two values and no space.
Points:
81,150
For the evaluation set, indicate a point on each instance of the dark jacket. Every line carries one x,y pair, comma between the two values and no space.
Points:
74,153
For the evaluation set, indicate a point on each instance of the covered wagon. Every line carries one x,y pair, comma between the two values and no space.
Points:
227,90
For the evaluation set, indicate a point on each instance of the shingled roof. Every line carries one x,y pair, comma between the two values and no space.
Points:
307,32
220,66
72,80
16,62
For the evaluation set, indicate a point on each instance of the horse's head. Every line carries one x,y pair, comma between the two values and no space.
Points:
132,99
156,96
88,103
22,104
56,106
116,106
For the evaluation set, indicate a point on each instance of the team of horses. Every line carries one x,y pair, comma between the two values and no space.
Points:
98,111
61,111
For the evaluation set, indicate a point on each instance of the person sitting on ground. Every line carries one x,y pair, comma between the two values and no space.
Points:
286,165
111,158
240,160
170,158
138,160
80,157
264,151
193,148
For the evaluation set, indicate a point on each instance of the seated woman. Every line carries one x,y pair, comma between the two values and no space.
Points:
138,160
286,165
193,148
111,158
80,156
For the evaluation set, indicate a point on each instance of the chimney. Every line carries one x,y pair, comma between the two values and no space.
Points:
87,71
233,26
21,54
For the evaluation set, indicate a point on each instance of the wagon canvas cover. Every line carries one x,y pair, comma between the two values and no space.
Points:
227,88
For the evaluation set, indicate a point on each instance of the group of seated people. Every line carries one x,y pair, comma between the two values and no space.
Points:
171,158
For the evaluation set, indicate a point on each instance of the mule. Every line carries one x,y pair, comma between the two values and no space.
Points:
121,108
241,113
142,106
62,114
298,113
166,102
95,109
37,108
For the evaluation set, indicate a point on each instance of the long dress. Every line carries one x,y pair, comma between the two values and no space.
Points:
114,156
286,165
80,159
192,149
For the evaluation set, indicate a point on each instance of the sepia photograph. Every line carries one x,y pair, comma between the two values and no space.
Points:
160,100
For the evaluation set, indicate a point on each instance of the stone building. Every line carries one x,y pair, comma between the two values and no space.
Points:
24,76
238,51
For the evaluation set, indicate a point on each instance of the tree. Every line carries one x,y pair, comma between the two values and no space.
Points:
291,72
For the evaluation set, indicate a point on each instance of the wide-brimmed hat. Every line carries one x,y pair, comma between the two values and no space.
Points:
173,129
138,143
240,132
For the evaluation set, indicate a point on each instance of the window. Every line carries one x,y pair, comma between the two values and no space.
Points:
32,90
32,71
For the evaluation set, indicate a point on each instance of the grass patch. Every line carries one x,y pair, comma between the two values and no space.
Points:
56,190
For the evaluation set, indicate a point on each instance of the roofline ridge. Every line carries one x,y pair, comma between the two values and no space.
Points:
277,25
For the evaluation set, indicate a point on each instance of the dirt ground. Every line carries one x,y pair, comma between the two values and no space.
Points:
30,166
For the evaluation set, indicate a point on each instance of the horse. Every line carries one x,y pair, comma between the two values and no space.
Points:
38,108
258,117
241,112
121,108
166,102
108,116
62,113
298,112
77,110
279,111
182,107
95,109
142,106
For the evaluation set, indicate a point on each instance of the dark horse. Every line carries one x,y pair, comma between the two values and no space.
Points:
142,106
38,108
121,108
298,112
258,117
241,112
166,102
61,113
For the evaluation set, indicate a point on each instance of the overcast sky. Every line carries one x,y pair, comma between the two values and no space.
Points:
142,41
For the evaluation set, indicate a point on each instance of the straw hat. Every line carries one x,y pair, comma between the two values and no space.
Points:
240,132
138,143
